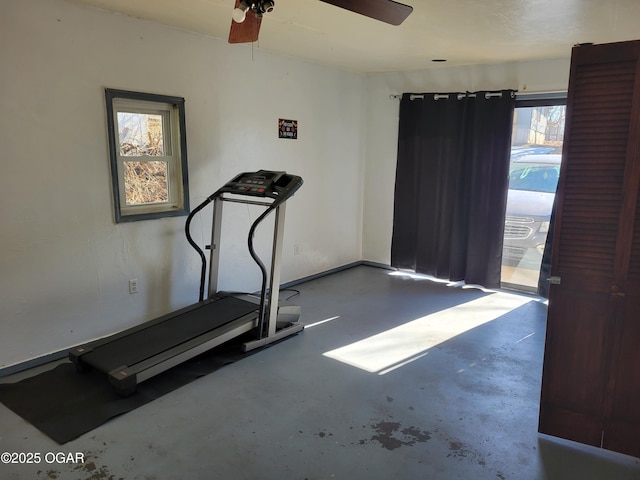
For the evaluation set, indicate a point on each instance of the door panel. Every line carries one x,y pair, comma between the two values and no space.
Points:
574,375
592,175
622,433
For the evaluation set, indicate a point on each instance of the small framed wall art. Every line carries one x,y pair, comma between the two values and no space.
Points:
287,128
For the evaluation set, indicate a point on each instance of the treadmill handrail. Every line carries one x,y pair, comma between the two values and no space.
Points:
203,257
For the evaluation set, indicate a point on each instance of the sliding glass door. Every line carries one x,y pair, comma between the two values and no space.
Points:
536,153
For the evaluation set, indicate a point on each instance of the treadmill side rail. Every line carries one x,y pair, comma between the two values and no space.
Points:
125,379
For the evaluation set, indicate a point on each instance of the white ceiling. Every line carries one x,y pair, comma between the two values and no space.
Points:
461,31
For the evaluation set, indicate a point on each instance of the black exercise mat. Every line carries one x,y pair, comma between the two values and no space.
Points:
64,404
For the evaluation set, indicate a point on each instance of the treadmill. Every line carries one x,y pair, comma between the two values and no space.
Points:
143,351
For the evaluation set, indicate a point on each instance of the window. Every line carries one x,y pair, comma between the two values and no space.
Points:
148,152
536,154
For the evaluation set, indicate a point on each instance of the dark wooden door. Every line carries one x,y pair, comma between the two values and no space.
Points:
591,374
622,428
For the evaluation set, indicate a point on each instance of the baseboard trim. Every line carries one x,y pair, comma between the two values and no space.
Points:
33,363
331,271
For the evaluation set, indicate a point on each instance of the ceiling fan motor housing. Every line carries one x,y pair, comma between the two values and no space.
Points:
262,6
257,8
266,6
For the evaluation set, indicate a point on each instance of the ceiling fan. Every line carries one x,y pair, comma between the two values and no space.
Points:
247,14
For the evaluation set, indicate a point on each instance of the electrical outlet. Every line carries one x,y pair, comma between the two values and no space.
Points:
133,285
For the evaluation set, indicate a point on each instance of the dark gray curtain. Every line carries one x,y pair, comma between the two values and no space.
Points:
451,184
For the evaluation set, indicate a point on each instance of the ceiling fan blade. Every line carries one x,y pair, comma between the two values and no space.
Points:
247,31
386,11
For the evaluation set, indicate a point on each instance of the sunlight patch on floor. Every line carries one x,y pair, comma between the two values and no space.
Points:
386,351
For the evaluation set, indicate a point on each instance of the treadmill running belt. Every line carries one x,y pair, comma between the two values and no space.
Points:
145,343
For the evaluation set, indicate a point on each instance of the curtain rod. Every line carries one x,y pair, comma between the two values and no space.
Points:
560,94
444,96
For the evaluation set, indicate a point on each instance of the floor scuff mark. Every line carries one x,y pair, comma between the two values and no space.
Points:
391,435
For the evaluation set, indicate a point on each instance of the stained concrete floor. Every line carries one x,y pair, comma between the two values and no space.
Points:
394,378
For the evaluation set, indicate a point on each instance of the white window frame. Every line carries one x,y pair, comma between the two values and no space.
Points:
175,153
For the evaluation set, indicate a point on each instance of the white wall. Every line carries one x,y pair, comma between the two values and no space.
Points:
64,263
382,127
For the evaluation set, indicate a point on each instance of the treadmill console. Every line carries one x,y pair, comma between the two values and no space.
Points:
264,183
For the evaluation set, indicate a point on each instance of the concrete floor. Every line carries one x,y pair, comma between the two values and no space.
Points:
385,383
